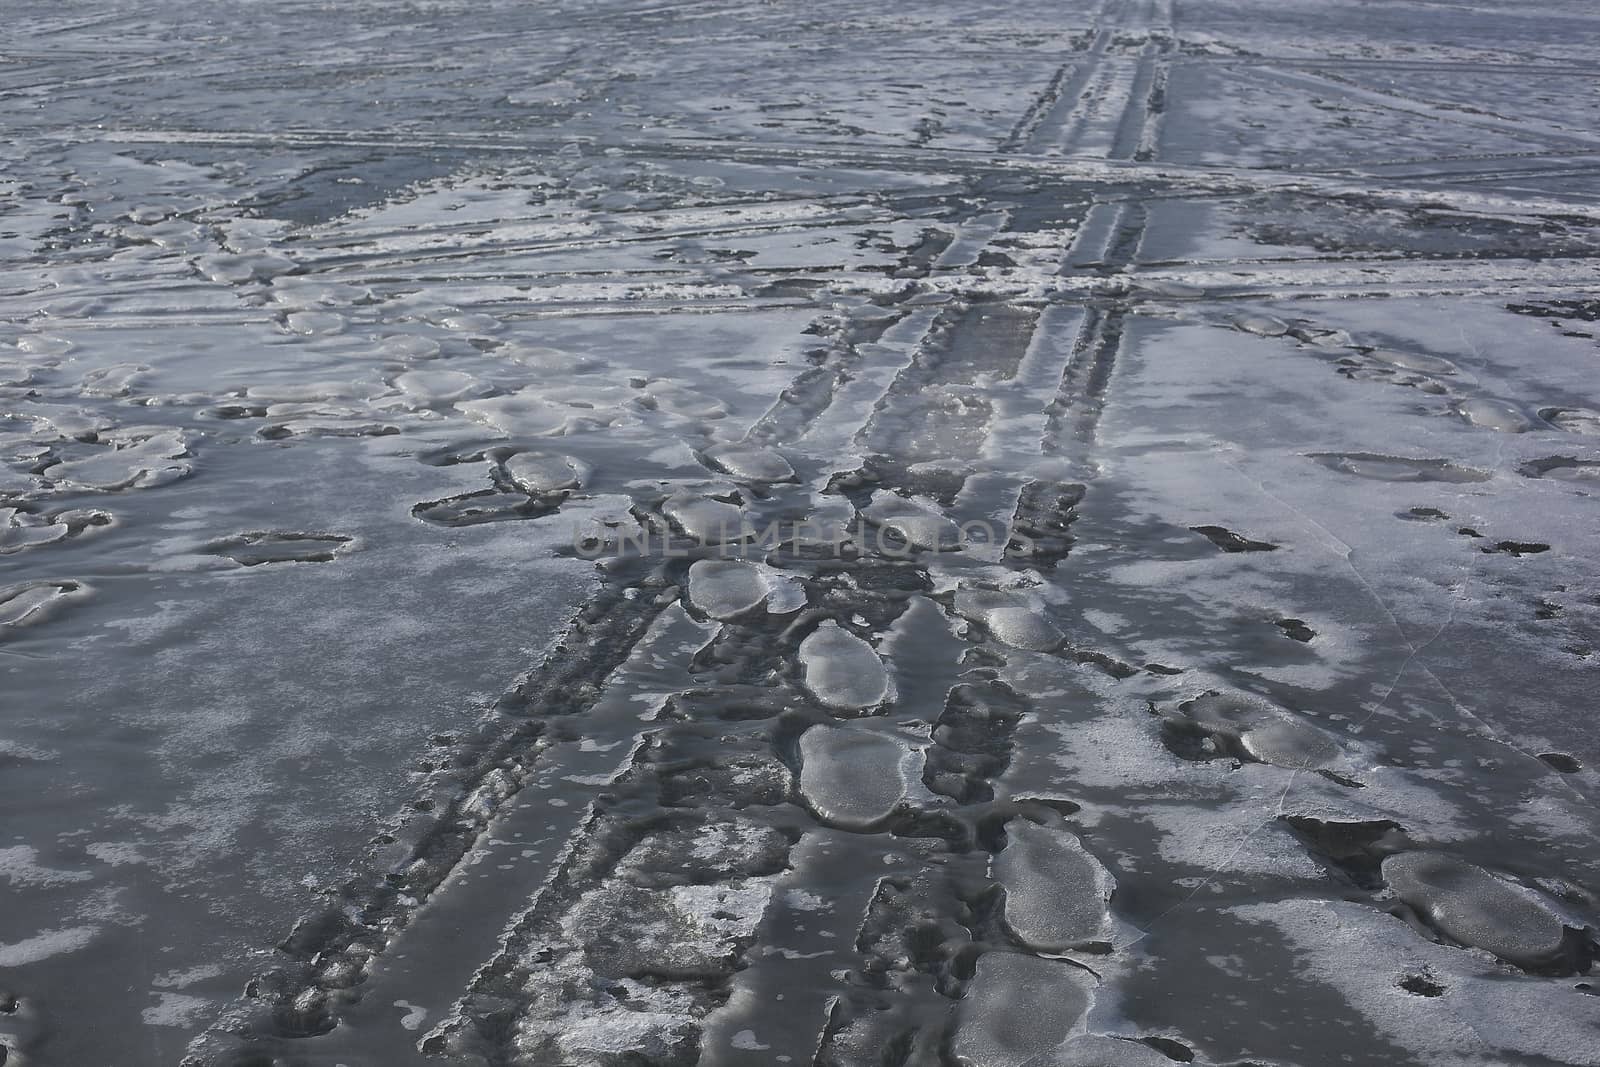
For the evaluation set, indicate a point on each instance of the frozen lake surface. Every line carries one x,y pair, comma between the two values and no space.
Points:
600,534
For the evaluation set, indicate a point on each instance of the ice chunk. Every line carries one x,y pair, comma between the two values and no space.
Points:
852,778
1574,420
435,388
1261,325
1561,468
1096,1051
841,670
1414,361
410,346
689,403
1057,894
137,461
1494,414
43,344
470,322
711,522
553,361
1287,742
725,588
1010,618
232,269
1470,905
1018,1008
32,602
522,413
279,546
314,323
1264,732
77,424
114,381
20,530
310,391
540,474
321,420
919,525
750,464
1381,468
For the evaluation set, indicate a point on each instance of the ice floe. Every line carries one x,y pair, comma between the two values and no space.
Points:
1057,894
854,778
843,671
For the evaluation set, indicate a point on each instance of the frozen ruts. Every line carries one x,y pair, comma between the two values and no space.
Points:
1018,1009
841,670
1057,894
853,778
1468,904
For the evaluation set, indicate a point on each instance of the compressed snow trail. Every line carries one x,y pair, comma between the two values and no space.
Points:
746,534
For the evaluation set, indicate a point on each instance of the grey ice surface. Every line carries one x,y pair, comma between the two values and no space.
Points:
625,532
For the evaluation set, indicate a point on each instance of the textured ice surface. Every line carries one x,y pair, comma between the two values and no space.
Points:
277,546
1056,892
1400,468
1436,1005
1012,619
1470,905
524,413
366,391
1574,420
707,520
1105,1052
1018,1009
852,778
725,588
750,464
1263,732
1494,414
921,527
33,602
1416,361
433,388
537,473
843,671
1261,325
